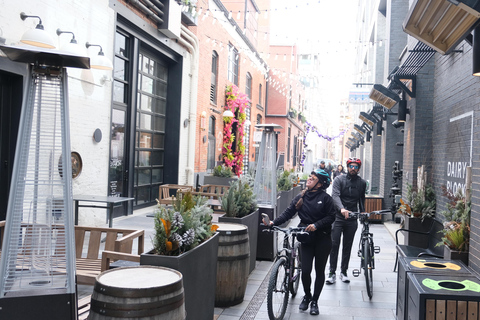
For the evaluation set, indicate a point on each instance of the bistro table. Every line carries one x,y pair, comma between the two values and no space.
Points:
110,203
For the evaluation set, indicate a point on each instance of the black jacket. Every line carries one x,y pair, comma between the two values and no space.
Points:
348,192
337,173
317,208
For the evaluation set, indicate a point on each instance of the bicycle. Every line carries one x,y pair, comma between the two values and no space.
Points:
286,272
367,249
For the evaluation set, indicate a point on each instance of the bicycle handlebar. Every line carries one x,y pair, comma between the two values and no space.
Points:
289,230
366,214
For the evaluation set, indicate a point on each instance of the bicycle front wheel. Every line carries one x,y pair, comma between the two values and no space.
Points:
296,269
368,266
277,294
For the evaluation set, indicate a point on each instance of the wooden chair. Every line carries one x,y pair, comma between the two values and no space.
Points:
212,190
168,191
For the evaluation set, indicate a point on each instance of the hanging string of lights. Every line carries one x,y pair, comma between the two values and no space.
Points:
310,127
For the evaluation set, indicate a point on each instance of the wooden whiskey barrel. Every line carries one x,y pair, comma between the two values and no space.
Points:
233,264
143,292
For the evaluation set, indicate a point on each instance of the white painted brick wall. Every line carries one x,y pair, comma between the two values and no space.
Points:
90,100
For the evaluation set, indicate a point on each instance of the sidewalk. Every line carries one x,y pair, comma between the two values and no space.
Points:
339,301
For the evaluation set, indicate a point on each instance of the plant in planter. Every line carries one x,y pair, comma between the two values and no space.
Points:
418,210
285,180
419,203
222,171
182,227
185,240
456,231
292,113
240,206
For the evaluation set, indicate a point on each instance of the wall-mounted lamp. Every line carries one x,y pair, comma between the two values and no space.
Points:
397,124
368,119
228,114
72,46
99,61
37,37
476,52
384,96
402,111
368,137
379,128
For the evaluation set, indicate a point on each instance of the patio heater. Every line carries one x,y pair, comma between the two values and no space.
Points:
37,267
266,189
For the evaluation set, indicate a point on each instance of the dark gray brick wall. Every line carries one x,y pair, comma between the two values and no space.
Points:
457,93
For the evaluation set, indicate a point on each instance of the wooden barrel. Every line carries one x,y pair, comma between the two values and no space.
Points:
143,292
233,264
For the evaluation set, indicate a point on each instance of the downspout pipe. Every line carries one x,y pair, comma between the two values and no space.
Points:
190,41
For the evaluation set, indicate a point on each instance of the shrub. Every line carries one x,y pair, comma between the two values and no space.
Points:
419,204
239,201
182,227
222,171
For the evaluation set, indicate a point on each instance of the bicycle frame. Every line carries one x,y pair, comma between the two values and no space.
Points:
285,274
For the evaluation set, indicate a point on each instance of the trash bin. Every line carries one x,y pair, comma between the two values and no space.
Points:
435,297
431,266
267,243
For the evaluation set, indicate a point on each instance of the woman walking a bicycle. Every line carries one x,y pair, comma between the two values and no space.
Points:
348,193
316,212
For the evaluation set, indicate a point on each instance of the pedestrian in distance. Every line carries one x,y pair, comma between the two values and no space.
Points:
326,169
348,193
339,171
316,211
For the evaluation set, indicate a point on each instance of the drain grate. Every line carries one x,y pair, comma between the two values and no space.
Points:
257,300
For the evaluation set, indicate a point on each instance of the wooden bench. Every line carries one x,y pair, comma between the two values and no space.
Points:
433,236
168,191
212,191
90,242
89,261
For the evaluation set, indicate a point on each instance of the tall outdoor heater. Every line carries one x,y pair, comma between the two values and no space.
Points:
266,189
37,266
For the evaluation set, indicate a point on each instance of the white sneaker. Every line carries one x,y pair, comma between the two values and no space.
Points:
331,278
344,278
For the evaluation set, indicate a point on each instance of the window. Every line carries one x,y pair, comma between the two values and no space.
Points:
288,143
213,84
260,94
248,86
211,144
259,119
233,65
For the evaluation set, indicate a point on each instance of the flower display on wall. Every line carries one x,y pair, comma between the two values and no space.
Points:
233,148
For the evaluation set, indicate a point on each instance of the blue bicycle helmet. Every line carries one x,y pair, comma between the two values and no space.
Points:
323,177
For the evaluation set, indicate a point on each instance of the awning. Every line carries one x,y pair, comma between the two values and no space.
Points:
442,24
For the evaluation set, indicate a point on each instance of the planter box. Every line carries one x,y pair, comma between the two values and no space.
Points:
449,254
283,201
416,224
218,180
295,191
251,221
199,270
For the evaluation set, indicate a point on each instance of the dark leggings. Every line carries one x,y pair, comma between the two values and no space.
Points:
319,250
348,227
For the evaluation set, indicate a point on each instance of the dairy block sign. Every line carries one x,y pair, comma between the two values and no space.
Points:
458,151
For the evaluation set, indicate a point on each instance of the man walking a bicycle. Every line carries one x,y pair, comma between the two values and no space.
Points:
316,212
348,193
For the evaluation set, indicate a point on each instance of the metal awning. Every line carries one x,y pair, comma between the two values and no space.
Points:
417,58
442,24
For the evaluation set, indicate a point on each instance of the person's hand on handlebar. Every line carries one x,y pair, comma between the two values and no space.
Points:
345,213
270,224
310,227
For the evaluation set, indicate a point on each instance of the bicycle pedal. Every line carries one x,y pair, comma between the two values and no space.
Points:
355,272
376,249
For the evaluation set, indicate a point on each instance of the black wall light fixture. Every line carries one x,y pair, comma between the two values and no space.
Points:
368,136
397,124
379,128
402,111
476,52
359,129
